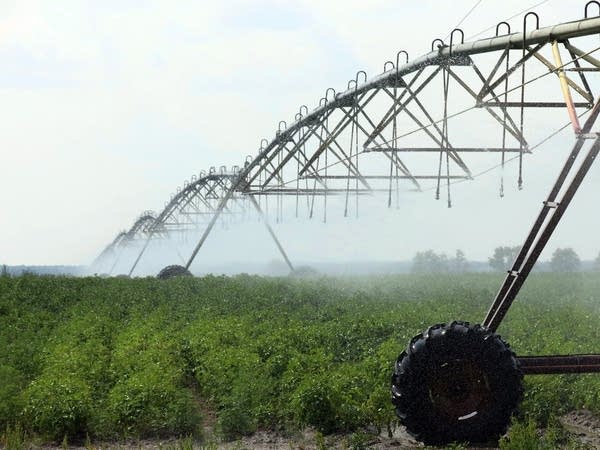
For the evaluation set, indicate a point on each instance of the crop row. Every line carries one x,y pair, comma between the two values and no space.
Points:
114,358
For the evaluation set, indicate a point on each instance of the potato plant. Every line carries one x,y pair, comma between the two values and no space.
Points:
118,358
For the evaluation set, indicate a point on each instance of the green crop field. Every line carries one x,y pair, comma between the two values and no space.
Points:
111,359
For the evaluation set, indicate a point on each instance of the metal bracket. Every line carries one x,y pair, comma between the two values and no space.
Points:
588,135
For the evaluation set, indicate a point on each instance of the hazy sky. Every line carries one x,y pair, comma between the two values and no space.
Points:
107,106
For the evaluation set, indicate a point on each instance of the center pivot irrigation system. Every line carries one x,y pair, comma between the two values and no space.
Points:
457,381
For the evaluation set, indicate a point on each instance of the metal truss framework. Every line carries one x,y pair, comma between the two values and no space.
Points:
394,133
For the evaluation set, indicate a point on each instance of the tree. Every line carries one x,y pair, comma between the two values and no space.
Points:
596,266
429,261
503,257
460,263
565,260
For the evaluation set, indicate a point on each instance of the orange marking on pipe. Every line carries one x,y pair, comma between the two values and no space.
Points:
565,88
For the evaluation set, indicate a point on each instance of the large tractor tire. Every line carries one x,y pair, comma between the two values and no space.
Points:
173,271
456,383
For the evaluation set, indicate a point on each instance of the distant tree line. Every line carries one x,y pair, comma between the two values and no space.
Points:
430,261
562,260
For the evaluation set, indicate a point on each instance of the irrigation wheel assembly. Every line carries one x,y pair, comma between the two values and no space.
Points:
456,382
173,271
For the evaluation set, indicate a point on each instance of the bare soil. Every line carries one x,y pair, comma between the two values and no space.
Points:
309,440
582,424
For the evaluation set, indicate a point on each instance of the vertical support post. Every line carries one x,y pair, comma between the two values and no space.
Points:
540,234
212,222
271,232
114,264
565,88
137,260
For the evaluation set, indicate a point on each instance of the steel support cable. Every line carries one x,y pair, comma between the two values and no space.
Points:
522,112
356,152
439,174
297,150
280,197
506,92
484,91
468,109
223,201
260,173
326,169
348,176
112,267
397,137
531,149
400,165
350,158
395,155
463,111
280,178
578,67
350,118
397,162
390,112
447,145
277,209
179,253
310,162
339,161
404,105
504,116
512,129
446,76
561,31
324,182
341,125
438,142
444,144
393,159
487,81
298,170
510,18
515,158
137,260
587,96
272,233
266,204
465,17
306,181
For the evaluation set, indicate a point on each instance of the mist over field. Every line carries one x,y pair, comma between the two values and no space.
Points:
115,123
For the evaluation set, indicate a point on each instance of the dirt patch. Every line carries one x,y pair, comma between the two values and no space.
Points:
310,439
584,426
